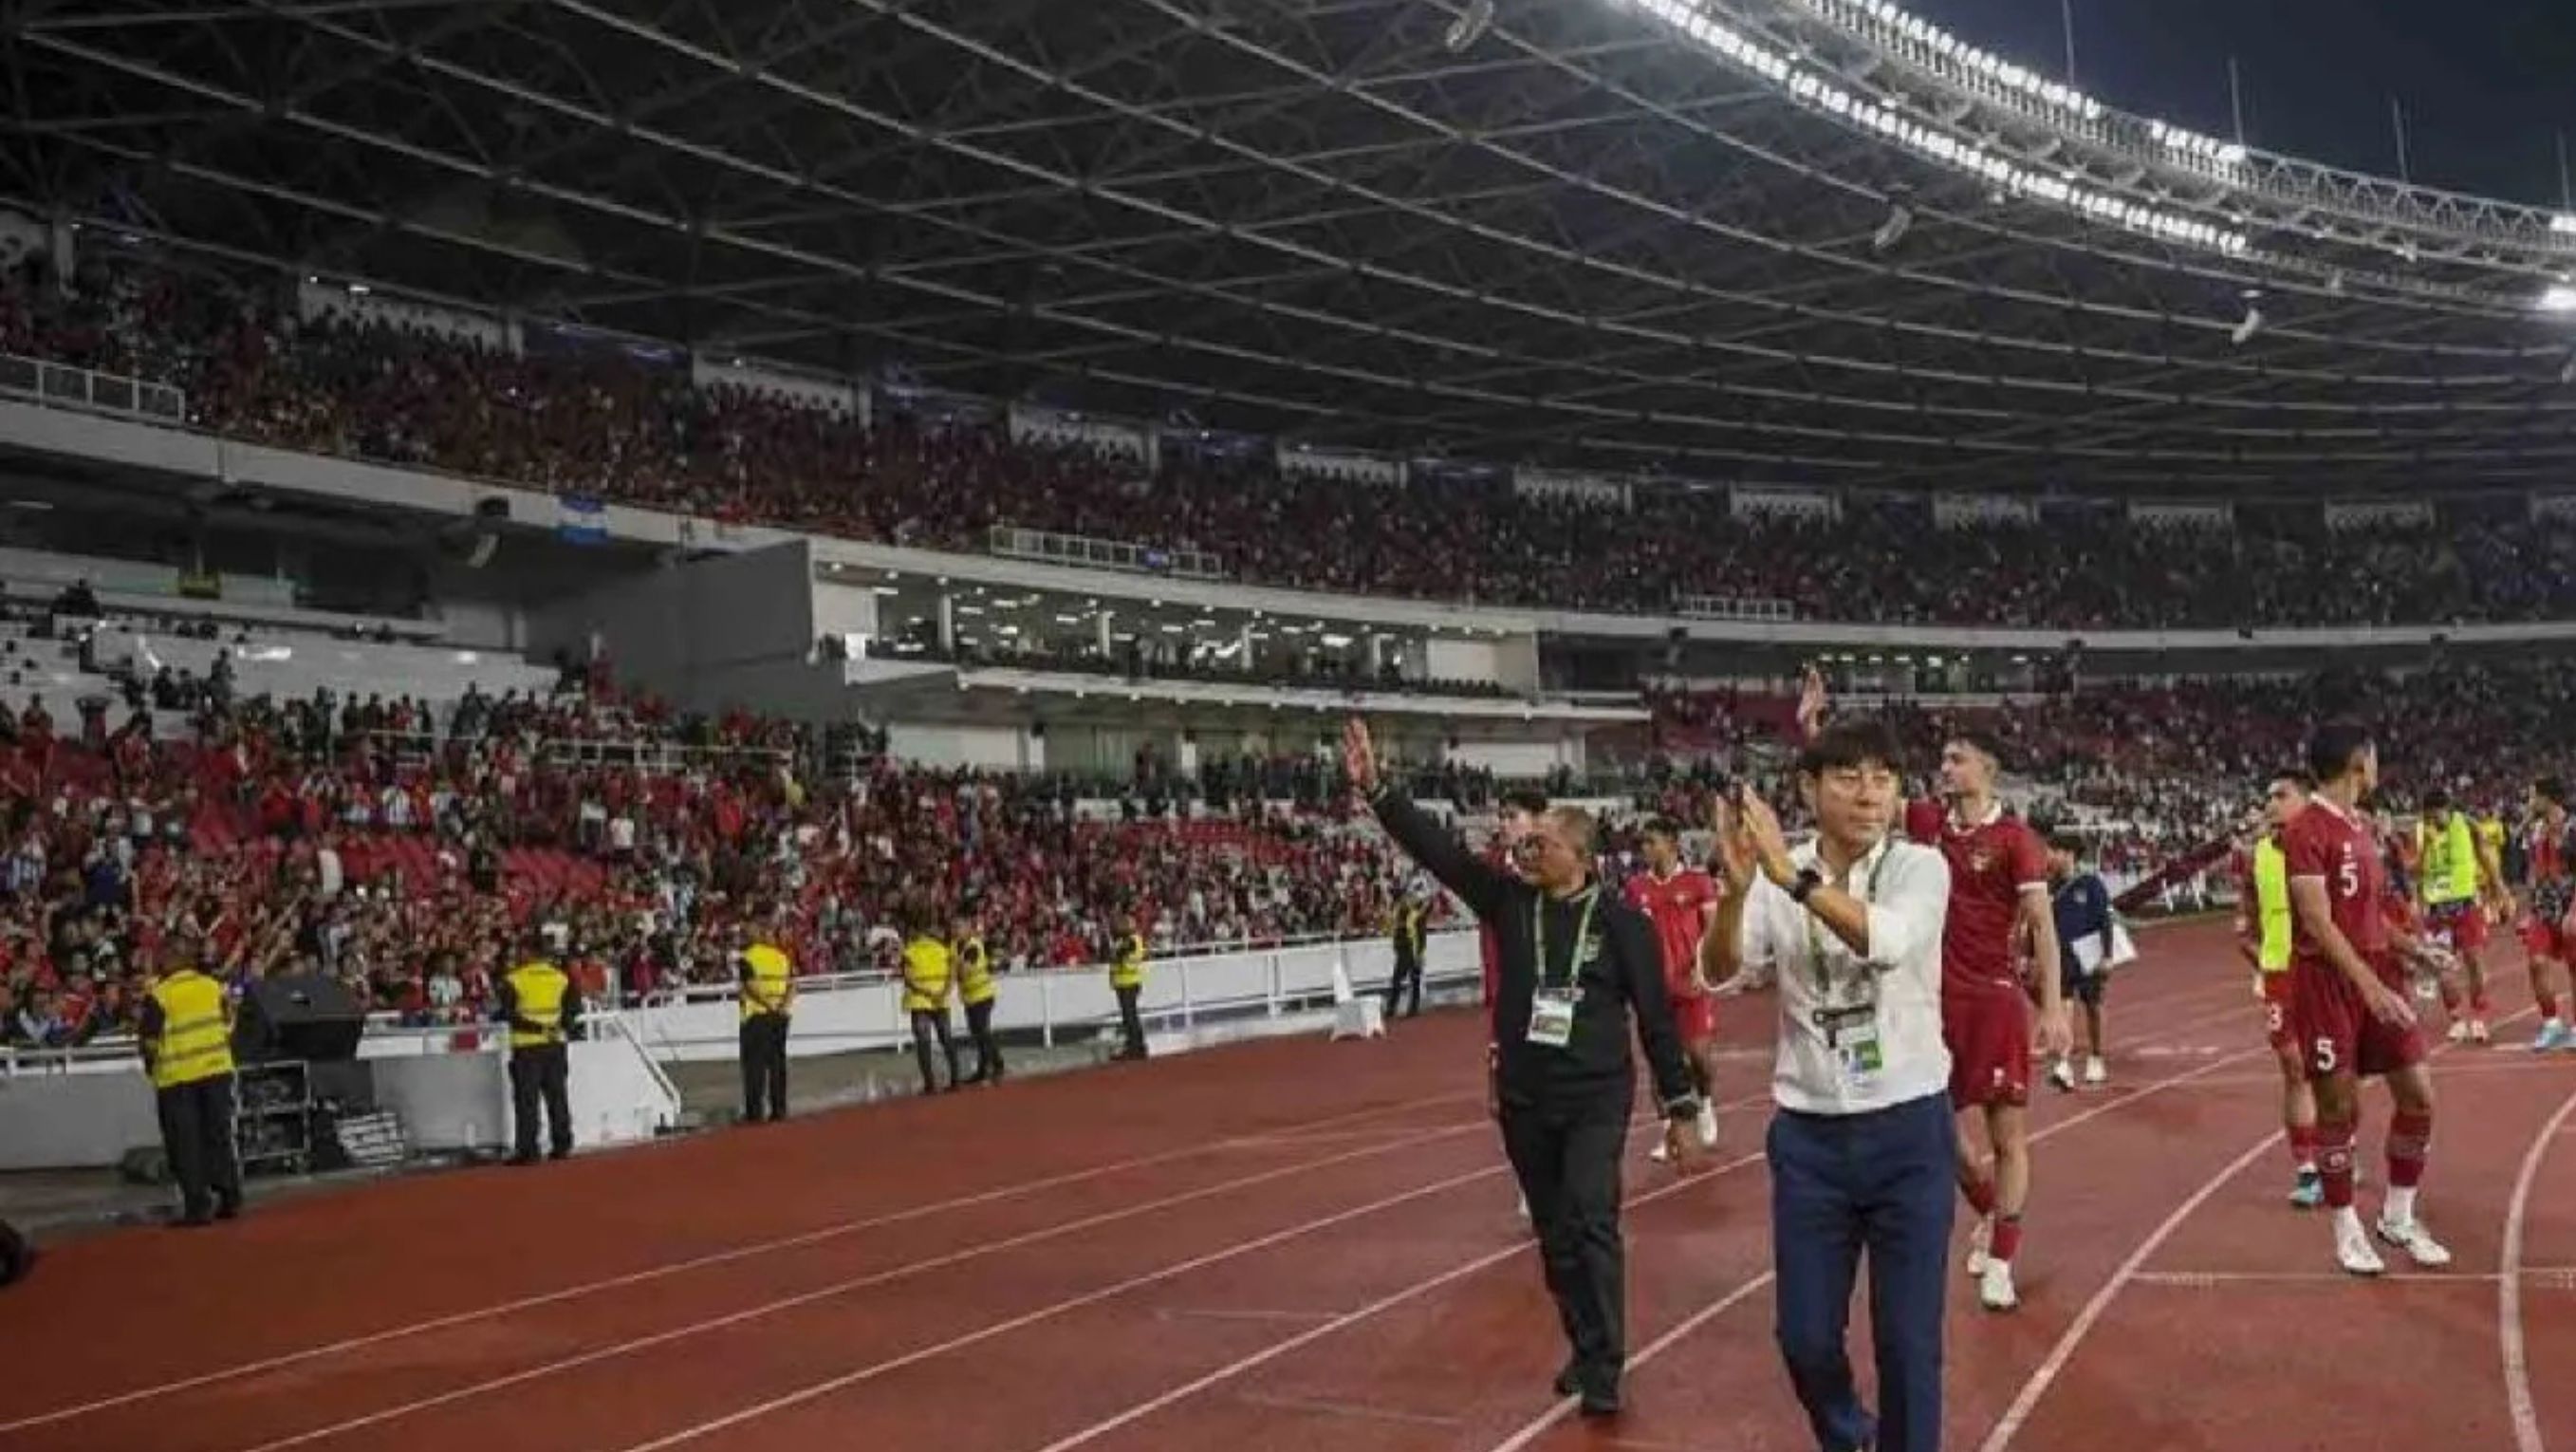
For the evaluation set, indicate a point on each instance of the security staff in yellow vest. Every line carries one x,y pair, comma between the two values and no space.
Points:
927,973
543,1009
2263,936
186,1034
1409,942
975,990
2461,874
768,995
1127,980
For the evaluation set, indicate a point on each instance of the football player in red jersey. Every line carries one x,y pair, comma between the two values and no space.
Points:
2549,893
2348,1000
2268,951
1998,886
1681,902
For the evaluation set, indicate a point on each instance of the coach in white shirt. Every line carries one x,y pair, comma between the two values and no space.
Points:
1861,1149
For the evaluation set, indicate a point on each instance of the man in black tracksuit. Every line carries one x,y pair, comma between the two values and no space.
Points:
1575,962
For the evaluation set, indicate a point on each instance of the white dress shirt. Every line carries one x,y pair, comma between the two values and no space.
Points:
1906,889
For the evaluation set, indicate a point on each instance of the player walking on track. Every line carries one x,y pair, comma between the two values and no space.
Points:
1998,885
2349,1005
2263,934
1681,902
2550,892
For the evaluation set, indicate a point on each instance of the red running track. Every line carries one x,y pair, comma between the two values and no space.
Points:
1300,1244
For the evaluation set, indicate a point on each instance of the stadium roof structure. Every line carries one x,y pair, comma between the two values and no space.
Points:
1780,241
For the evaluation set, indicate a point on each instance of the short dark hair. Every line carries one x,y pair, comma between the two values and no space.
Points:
2296,776
1863,742
2437,799
2066,842
2551,789
2332,749
1662,826
1523,799
1984,742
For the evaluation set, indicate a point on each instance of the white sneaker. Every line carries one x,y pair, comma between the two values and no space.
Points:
1980,1236
1708,1126
2352,1247
2458,1032
2479,1033
2095,1071
2062,1074
1995,1287
1659,1154
2410,1236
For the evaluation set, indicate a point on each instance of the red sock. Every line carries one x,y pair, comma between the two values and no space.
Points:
2548,1002
1981,1194
2303,1145
2450,996
2410,1140
2478,1003
2334,1163
2007,1238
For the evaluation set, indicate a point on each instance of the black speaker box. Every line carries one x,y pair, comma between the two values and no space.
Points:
307,1017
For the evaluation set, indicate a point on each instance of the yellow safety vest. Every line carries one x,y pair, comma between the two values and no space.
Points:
537,992
974,973
1129,970
2450,860
195,1043
2272,905
773,982
925,976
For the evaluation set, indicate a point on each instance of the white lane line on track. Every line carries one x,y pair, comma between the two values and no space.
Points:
1335,1407
2221,1280
2509,1331
650,1274
2052,1366
848,1284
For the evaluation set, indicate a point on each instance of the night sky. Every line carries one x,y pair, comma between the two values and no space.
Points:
2484,82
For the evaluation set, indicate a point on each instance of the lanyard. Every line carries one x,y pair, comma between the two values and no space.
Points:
1582,930
1816,940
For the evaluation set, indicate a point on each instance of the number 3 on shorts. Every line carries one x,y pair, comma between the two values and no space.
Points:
2325,1057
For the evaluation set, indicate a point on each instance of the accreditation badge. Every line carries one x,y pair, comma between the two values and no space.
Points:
1851,1035
1551,1021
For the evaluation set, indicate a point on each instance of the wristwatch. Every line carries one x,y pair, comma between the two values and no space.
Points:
1809,879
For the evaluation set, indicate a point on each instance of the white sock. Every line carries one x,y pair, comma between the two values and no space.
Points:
2399,1207
2347,1221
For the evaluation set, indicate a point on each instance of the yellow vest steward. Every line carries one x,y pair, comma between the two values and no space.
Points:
538,990
974,973
196,1043
2450,861
773,981
1129,970
2272,905
925,976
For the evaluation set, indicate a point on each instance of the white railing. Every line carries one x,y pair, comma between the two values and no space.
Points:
1728,607
61,383
1104,554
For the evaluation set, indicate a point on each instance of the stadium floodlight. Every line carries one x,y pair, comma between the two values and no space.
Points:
2558,297
2563,224
2004,174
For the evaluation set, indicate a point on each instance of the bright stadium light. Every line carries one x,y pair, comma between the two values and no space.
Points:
2563,224
2558,298
2003,173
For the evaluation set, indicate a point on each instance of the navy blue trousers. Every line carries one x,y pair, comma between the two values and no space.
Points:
1884,1184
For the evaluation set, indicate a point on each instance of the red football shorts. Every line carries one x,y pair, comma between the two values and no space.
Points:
1695,1019
2462,927
2543,939
2337,1032
1988,1035
2277,1029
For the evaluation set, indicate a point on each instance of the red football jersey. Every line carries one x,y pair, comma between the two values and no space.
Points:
2328,843
1678,907
1991,864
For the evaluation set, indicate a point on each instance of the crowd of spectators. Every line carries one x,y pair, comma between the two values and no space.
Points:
408,855
622,423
